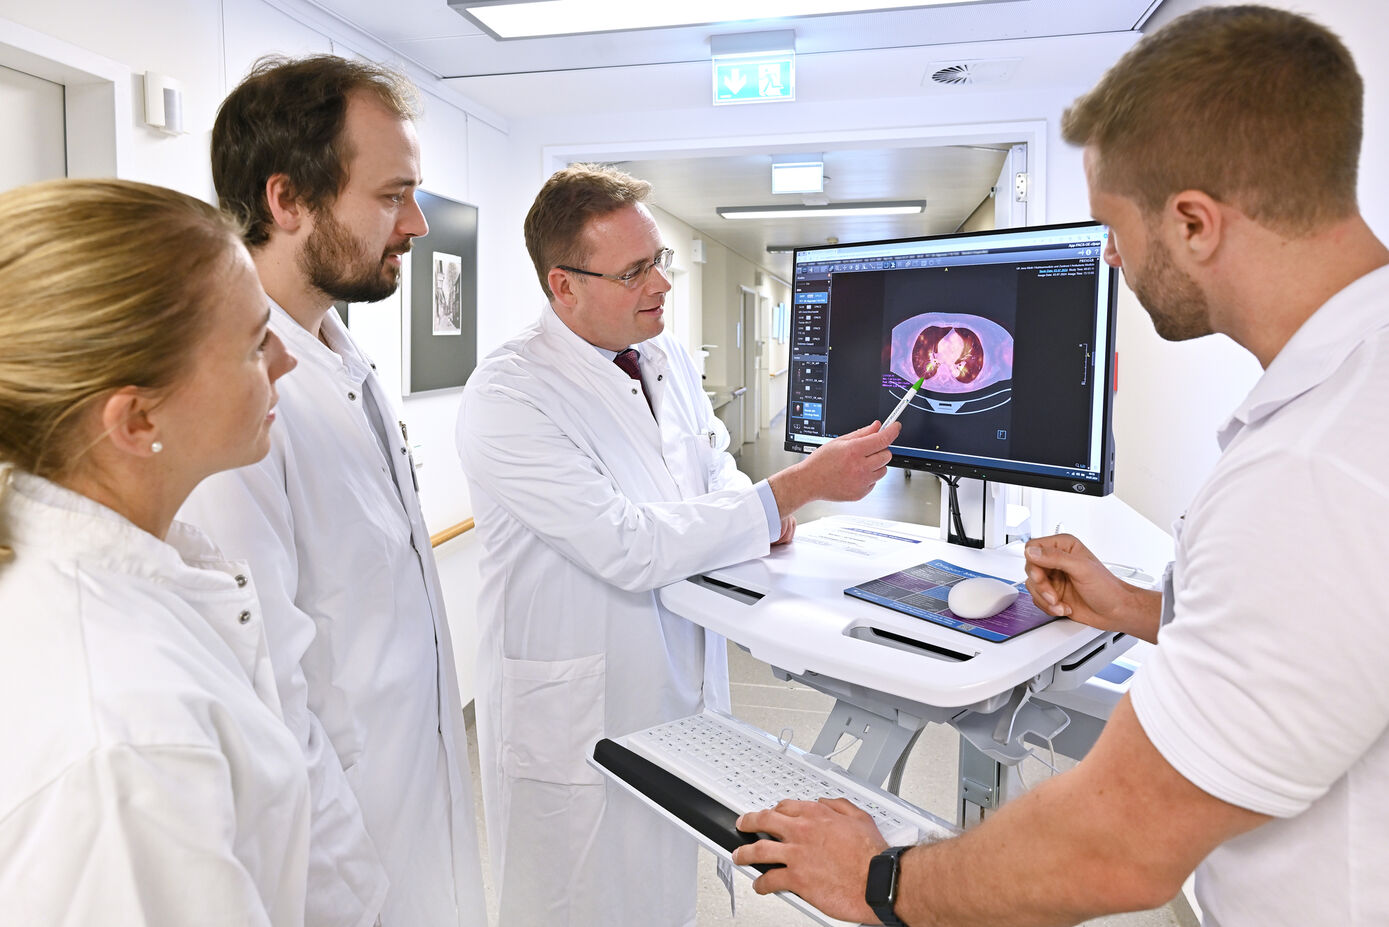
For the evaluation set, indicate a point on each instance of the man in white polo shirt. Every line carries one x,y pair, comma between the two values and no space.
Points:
1222,151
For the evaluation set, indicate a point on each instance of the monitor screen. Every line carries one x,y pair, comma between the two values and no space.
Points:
1011,332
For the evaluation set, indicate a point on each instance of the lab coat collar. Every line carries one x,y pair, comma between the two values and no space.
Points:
38,512
340,356
598,358
1316,351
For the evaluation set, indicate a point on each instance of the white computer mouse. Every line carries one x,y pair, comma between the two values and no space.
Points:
980,597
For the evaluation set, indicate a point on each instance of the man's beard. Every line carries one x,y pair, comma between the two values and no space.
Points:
1174,302
333,260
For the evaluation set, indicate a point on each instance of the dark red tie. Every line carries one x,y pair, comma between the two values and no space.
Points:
630,362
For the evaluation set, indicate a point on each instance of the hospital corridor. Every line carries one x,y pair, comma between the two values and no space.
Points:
577,463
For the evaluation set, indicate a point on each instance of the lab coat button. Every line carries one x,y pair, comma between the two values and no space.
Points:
351,395
244,617
634,392
240,580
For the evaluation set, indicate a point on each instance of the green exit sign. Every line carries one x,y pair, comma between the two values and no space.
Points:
755,79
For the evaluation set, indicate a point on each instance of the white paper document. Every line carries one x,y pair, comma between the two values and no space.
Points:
868,537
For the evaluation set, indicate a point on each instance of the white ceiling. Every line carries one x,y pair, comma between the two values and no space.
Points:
885,54
430,33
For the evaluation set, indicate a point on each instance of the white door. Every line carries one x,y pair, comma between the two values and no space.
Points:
33,145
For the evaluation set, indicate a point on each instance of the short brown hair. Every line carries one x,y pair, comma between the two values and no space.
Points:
563,207
103,284
287,117
1260,108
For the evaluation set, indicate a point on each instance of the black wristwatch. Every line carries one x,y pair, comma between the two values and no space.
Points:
884,874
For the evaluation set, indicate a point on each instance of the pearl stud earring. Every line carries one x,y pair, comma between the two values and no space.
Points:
156,447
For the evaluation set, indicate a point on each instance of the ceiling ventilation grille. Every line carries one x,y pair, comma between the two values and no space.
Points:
970,73
953,74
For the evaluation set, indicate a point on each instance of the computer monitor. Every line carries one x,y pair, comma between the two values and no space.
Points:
1012,331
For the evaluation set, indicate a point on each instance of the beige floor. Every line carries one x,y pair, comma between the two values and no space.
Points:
761,699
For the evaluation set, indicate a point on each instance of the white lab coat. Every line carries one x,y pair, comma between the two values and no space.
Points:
148,778
330,521
585,507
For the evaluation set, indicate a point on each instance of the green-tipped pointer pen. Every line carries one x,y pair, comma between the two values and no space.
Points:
906,401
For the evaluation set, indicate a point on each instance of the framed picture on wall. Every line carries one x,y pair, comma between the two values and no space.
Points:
440,345
448,294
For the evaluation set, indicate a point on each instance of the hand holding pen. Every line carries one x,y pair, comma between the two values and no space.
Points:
906,401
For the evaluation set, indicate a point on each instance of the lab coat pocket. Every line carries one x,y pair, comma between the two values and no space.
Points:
552,715
705,452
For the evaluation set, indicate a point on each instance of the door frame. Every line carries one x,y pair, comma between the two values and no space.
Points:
97,93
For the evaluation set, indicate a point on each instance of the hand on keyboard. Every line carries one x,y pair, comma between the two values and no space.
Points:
748,772
751,837
825,847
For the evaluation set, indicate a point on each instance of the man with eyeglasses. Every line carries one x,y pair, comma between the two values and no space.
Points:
598,474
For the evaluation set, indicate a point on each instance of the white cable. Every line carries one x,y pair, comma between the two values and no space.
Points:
853,739
784,738
1051,747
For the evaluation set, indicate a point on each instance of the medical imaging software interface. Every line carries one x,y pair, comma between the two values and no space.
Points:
1009,330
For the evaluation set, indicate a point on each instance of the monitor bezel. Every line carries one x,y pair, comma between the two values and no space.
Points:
1103,485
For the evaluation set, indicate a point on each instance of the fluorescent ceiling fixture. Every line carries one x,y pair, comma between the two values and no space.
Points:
799,177
893,208
521,19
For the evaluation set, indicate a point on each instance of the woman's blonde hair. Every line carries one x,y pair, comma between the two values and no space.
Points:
103,284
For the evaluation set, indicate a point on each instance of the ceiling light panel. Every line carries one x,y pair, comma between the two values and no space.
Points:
799,177
892,208
525,19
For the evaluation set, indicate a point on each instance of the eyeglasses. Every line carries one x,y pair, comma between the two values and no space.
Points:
633,278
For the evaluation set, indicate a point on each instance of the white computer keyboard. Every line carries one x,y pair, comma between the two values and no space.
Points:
746,769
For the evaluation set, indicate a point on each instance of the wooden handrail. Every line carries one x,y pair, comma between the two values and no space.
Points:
448,534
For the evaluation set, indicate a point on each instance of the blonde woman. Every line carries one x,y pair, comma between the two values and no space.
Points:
147,776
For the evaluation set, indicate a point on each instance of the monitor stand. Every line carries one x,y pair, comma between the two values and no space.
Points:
974,512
